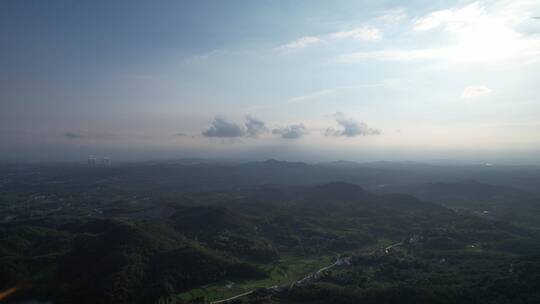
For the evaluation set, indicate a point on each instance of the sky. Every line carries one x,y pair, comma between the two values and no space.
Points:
305,80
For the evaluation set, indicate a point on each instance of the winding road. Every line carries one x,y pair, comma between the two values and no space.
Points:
232,298
387,249
339,261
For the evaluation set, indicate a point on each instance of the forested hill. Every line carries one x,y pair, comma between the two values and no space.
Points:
212,244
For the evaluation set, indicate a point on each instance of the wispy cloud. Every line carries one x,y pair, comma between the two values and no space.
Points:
473,33
364,33
312,95
301,43
393,16
331,91
453,19
476,91
396,55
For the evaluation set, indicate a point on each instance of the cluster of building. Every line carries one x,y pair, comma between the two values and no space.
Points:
104,161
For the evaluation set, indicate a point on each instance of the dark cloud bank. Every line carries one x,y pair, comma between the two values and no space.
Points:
71,135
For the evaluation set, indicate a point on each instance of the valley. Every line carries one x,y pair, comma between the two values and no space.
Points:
299,242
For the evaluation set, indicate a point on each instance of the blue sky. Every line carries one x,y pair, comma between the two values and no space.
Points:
314,80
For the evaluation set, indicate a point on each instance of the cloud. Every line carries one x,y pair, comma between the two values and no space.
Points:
291,132
469,34
71,135
350,127
222,128
476,91
364,33
254,126
301,43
